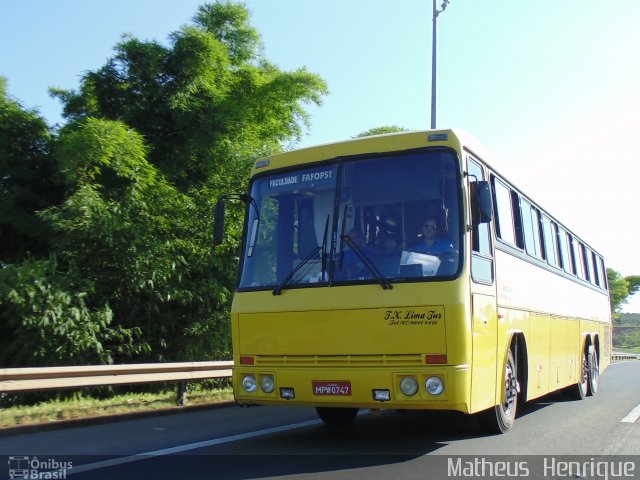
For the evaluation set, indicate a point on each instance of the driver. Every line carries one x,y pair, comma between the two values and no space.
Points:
431,243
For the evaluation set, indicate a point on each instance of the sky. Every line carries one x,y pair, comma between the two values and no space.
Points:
552,88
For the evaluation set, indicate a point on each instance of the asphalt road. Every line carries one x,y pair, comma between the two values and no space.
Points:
553,437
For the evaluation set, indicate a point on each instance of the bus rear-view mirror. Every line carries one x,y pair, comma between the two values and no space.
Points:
483,211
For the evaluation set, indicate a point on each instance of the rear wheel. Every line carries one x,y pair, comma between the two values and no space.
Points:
594,371
580,390
500,419
338,417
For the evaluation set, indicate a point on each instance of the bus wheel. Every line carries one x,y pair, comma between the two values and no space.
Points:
579,390
339,417
500,419
594,372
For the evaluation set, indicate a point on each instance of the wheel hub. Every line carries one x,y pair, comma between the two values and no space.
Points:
511,389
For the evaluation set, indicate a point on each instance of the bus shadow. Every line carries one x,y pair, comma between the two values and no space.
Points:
537,404
375,439
382,439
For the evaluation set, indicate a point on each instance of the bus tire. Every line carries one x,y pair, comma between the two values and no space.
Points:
337,417
580,390
594,372
500,418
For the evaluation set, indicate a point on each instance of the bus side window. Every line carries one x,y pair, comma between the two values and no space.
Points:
517,219
549,230
565,253
504,211
605,280
593,267
585,262
531,228
596,274
577,258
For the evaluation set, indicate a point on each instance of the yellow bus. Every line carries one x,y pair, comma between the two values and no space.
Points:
402,271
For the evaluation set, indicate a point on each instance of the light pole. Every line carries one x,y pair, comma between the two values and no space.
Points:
434,58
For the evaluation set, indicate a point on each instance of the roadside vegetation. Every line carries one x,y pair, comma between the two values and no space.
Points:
82,405
626,333
106,220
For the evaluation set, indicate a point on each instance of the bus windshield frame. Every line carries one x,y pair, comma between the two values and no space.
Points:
355,220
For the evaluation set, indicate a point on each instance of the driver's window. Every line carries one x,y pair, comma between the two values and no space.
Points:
481,256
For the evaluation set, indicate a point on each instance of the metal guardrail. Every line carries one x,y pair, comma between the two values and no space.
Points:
617,356
15,380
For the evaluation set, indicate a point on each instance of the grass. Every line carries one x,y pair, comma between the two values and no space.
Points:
635,349
626,335
88,407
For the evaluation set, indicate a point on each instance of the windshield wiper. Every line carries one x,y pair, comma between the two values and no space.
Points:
324,248
313,254
382,280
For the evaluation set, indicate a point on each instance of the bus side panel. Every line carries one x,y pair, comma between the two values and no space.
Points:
561,313
483,366
539,349
565,345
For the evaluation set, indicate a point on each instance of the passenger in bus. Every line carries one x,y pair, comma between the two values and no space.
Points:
432,243
387,258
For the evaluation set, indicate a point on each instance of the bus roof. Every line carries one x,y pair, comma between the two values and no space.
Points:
388,142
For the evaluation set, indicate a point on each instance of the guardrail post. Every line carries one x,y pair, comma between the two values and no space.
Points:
182,393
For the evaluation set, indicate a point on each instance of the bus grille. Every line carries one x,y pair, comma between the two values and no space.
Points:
338,360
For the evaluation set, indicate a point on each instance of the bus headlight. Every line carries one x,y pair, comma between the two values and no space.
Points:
409,386
249,383
267,385
434,385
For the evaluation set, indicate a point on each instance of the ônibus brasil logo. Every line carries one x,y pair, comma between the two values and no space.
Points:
36,469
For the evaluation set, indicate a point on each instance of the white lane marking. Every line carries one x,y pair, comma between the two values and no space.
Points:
632,416
190,446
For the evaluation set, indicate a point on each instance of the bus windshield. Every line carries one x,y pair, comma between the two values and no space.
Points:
396,217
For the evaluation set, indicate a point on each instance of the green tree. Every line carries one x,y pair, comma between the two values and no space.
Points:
153,137
45,318
381,130
141,242
28,180
206,103
634,284
127,271
618,292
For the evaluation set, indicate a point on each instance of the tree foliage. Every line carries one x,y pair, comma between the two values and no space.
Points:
151,139
634,284
620,289
28,180
381,130
204,100
45,314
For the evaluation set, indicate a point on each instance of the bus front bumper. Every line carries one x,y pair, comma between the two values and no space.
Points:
356,387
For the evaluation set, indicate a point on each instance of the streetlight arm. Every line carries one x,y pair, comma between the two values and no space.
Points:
437,12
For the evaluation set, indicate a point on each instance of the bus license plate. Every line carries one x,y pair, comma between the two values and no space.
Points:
340,388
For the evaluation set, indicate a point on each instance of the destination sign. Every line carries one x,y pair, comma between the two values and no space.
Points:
305,179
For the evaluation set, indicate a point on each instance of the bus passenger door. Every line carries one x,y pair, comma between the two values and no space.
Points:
483,305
